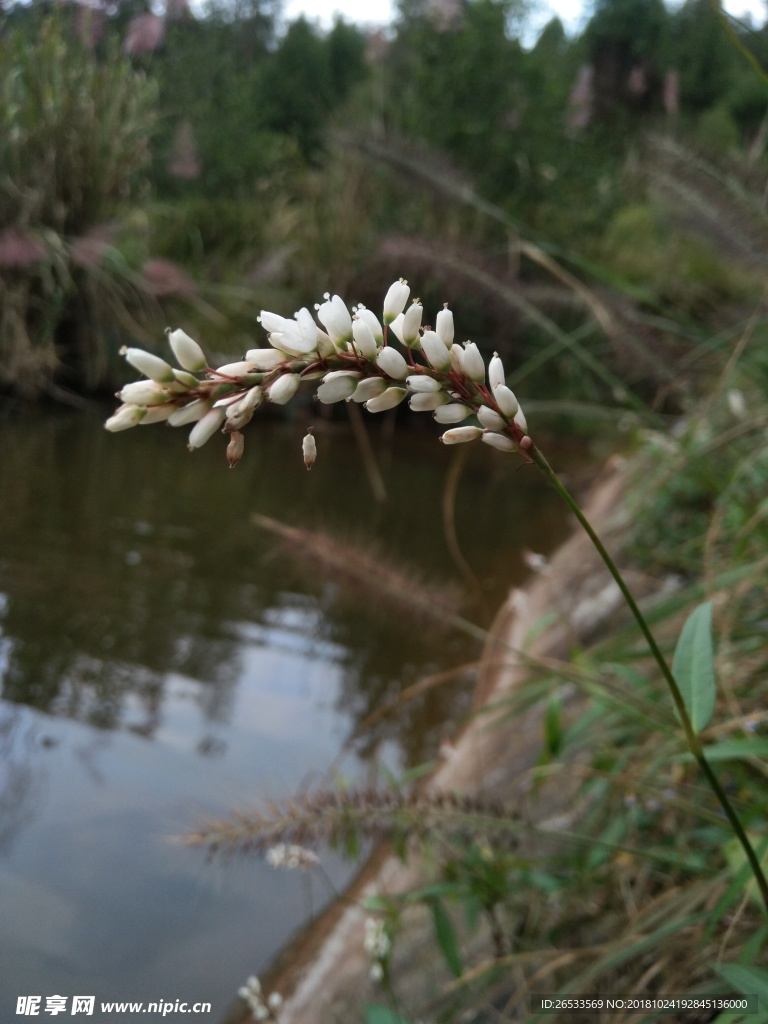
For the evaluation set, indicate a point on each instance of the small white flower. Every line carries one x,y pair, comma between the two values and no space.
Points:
284,388
444,325
369,388
127,416
457,358
338,386
370,318
376,972
239,369
521,421
396,327
264,358
188,353
387,400
158,414
737,403
505,399
412,323
474,367
496,372
395,300
422,384
190,413
335,317
205,428
275,1001
428,402
242,412
500,441
150,365
143,392
435,351
272,323
490,418
460,435
365,342
393,363
453,413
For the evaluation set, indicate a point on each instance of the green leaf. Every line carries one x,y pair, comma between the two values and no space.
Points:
694,666
740,867
446,937
748,980
736,749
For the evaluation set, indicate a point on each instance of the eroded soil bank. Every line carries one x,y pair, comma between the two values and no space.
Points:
324,974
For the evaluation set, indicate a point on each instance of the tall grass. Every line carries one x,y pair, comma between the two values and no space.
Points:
74,143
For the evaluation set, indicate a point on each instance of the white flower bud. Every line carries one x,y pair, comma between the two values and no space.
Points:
264,358
184,381
150,365
190,413
395,300
365,342
387,400
158,414
205,429
490,418
459,435
444,325
422,384
369,388
284,388
453,413
370,318
335,317
239,369
127,416
457,359
309,449
392,363
474,367
496,372
275,1001
397,327
435,351
428,402
338,386
188,353
521,421
411,324
505,399
500,441
143,392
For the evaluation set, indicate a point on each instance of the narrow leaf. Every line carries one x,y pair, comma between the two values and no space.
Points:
694,666
748,980
446,937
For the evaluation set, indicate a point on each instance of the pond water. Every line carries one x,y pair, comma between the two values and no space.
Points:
164,659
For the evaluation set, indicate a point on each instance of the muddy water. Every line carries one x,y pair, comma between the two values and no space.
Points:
163,659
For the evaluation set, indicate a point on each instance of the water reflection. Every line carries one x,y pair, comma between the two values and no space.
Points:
161,656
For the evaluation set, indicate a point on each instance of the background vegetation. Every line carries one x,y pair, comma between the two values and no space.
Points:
597,205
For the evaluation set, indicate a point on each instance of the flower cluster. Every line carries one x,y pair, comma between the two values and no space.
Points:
252,995
378,945
290,855
350,354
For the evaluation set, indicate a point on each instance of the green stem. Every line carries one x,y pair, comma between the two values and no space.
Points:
694,743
